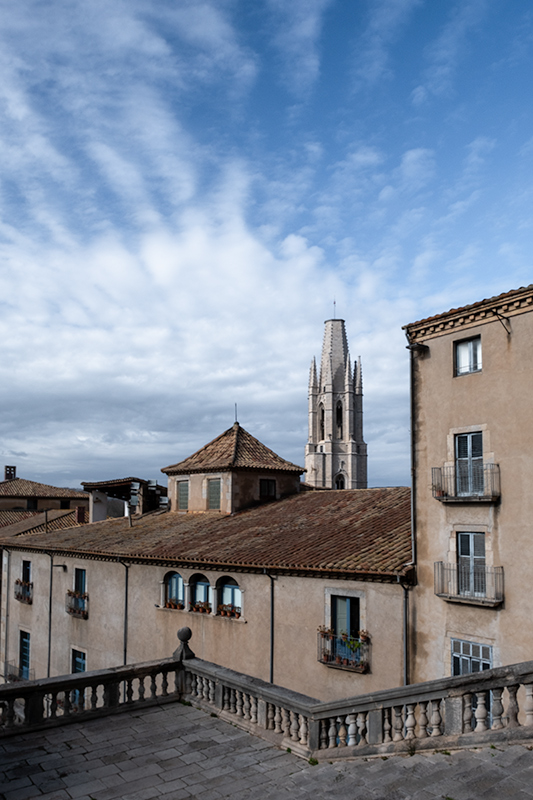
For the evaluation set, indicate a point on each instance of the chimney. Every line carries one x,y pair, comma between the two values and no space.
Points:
80,515
10,473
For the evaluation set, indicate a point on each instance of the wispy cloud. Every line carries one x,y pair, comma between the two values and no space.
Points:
445,54
386,20
297,26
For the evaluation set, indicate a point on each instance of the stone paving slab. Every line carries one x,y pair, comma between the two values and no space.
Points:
177,752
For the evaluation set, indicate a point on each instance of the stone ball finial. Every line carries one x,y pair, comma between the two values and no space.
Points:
184,651
184,634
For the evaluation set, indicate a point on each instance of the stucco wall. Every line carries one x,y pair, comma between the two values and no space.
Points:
496,401
300,606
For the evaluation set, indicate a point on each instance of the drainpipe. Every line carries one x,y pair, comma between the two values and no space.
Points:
126,584
50,613
405,631
6,640
272,579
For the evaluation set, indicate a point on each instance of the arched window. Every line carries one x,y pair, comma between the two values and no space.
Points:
339,482
338,420
322,423
173,590
200,601
229,597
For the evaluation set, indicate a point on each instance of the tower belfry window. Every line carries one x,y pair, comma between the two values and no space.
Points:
322,424
338,421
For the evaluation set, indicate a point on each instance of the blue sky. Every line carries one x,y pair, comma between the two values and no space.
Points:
186,186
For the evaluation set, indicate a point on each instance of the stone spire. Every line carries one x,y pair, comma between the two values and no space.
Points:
335,455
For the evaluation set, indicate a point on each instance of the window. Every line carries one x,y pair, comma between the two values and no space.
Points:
267,489
471,578
339,482
26,571
345,615
229,597
183,496
469,463
31,504
79,661
174,596
80,582
322,423
77,598
24,655
200,600
468,356
213,494
23,585
64,504
338,420
468,657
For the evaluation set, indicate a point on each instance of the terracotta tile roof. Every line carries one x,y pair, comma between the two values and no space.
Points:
473,307
351,533
112,482
19,487
233,449
12,517
30,522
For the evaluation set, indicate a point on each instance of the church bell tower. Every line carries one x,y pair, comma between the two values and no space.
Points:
335,455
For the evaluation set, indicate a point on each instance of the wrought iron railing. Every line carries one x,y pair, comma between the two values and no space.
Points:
24,591
470,583
77,604
343,651
479,482
14,673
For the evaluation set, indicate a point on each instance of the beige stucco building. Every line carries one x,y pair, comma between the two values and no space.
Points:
472,383
254,586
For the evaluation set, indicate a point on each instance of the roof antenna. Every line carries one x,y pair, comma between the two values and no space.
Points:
235,412
334,309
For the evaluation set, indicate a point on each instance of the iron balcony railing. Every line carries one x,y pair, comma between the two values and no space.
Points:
24,591
14,674
466,482
77,604
343,652
468,583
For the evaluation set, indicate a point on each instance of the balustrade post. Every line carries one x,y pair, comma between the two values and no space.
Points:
343,733
387,725
361,725
528,705
352,729
436,718
481,713
467,713
410,721
375,727
314,734
295,726
453,716
398,724
497,709
423,720
262,713
303,730
34,708
512,707
219,695
332,732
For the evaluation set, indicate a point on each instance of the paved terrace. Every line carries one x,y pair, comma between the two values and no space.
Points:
178,751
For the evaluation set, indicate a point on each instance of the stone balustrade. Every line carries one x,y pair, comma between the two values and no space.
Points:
491,706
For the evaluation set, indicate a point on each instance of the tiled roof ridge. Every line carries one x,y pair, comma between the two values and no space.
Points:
19,487
113,481
232,454
479,305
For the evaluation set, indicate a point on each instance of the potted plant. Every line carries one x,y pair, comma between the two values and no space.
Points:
364,636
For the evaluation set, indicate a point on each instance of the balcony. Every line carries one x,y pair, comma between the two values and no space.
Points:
77,604
462,583
343,652
14,674
478,483
24,592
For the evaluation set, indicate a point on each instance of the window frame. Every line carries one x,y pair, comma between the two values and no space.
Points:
211,483
270,485
24,654
469,467
229,606
172,600
474,356
471,573
182,503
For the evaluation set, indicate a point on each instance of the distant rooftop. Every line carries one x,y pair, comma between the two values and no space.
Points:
20,487
233,449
